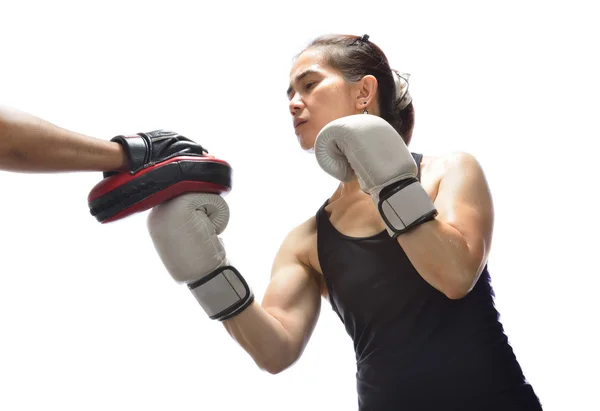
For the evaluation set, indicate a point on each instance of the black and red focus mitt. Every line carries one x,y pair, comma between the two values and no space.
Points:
163,165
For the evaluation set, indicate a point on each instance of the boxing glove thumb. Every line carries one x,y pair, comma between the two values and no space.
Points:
330,152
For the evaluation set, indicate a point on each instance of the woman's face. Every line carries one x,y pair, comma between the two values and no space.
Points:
318,95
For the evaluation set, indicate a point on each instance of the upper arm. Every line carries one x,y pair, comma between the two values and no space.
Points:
464,202
293,296
4,136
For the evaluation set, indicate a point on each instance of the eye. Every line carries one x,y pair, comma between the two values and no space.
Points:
309,85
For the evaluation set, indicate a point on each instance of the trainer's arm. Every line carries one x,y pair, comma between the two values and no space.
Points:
30,144
276,332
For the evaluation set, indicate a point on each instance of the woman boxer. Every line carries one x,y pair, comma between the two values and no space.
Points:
399,250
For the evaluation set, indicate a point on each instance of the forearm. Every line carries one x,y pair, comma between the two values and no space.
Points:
263,337
441,255
31,144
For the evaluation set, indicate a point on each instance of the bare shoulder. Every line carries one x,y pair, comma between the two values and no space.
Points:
300,241
454,168
300,244
440,165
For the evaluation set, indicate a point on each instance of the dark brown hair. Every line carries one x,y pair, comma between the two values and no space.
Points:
355,57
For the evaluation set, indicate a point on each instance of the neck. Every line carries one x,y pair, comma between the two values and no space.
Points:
347,190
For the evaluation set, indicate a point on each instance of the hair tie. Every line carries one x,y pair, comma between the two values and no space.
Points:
364,38
403,98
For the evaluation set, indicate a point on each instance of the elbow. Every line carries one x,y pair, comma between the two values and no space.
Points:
273,369
456,293
274,366
277,359
460,287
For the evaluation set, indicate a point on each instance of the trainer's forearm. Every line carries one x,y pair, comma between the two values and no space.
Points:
263,337
31,144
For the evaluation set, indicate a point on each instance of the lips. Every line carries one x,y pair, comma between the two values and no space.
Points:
298,122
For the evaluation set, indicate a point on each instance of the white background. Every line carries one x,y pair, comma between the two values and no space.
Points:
89,318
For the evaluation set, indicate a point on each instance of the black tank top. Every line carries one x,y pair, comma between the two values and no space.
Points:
415,348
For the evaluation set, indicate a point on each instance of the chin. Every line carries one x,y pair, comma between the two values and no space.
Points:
306,143
310,150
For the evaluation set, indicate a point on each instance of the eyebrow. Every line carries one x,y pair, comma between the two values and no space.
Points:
299,77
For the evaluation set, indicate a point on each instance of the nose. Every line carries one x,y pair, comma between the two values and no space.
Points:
296,105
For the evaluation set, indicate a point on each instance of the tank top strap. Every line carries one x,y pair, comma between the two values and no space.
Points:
321,215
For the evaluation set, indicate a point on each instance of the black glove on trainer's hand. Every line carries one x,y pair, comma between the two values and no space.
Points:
146,149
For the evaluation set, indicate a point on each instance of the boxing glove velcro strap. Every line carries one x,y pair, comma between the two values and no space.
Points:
405,205
223,293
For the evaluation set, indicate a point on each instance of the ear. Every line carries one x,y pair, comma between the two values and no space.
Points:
365,93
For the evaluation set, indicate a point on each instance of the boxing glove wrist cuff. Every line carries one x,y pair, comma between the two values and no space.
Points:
223,293
405,205
137,148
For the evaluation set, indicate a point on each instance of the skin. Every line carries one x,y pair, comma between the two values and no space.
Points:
276,332
29,144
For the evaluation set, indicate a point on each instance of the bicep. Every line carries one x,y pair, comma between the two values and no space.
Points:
465,203
293,297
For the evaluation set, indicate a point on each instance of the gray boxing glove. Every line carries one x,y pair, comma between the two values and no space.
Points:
185,232
369,148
